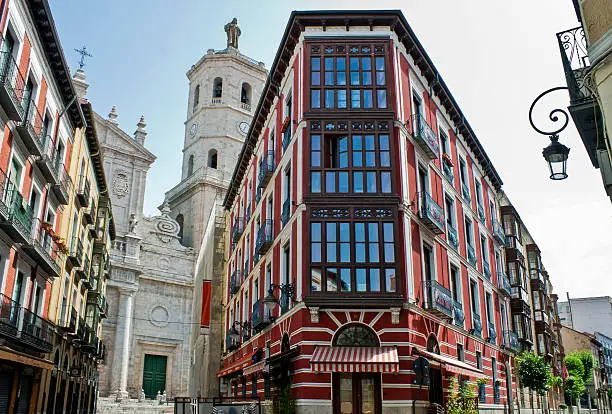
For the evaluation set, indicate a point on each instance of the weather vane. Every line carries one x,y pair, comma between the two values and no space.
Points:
83,52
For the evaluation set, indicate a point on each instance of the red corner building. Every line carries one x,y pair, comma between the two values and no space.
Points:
363,230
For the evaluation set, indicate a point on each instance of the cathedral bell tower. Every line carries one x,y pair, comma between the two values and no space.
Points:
224,88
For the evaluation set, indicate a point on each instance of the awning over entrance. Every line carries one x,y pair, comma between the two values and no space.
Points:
354,359
453,365
255,368
241,363
12,355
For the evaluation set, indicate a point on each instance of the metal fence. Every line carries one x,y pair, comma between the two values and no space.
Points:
219,405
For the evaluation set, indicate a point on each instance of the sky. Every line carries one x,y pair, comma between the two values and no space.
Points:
495,56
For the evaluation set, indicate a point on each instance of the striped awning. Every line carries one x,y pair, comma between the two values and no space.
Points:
255,368
454,366
354,359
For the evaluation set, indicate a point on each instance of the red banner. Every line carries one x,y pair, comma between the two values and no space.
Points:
206,288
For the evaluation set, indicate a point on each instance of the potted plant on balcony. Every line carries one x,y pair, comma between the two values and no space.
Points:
46,226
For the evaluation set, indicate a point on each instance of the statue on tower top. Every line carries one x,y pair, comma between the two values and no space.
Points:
233,33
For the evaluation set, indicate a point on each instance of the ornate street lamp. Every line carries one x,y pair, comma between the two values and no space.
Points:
270,301
556,153
234,333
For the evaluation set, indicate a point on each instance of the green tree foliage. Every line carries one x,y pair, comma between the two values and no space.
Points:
573,387
533,372
461,399
574,365
555,381
588,362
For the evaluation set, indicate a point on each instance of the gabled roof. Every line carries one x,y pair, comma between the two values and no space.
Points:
125,139
398,23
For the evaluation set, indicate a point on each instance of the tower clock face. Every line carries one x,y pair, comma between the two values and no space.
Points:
243,127
193,129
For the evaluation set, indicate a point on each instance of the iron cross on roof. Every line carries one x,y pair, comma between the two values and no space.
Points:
83,52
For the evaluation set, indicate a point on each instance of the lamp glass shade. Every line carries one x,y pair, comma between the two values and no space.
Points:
556,155
270,301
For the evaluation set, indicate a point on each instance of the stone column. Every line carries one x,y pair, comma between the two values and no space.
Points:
123,337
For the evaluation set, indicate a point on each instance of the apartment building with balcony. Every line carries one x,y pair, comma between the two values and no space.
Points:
45,226
375,235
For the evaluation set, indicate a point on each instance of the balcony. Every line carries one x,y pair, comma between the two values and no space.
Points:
465,191
511,341
235,282
18,219
486,268
584,108
452,237
79,331
481,213
31,130
492,333
12,85
36,332
266,169
89,214
498,232
476,325
44,249
75,253
101,351
503,283
431,213
260,317
82,272
447,169
458,314
10,313
82,192
424,136
237,228
537,280
231,344
63,184
286,211
437,299
90,340
471,253
265,237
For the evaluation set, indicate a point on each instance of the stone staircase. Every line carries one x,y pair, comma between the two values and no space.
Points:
108,405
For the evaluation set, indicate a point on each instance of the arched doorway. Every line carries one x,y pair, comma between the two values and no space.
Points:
356,392
436,393
53,381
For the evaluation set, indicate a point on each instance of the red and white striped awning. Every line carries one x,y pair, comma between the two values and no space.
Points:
454,366
354,359
255,368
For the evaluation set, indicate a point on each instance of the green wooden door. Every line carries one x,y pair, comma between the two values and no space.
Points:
154,375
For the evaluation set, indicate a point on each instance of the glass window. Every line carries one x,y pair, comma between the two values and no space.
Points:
384,151
345,245
345,280
330,230
329,98
385,182
381,95
342,98
315,279
360,256
374,280
315,150
330,182
380,71
390,280
315,98
370,151
373,247
360,279
355,99
357,151
343,185
332,279
315,245
371,182
315,182
358,182
367,99
388,242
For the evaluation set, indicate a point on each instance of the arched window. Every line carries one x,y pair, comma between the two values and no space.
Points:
245,94
190,165
432,344
196,97
356,335
217,88
212,158
180,220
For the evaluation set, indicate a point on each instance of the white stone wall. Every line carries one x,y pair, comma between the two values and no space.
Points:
588,315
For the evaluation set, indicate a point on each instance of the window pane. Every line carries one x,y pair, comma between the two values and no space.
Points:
373,252
358,182
340,64
329,98
315,231
316,78
330,182
369,142
354,62
383,142
366,63
315,142
382,98
316,252
360,252
354,78
388,232
373,232
345,233
315,98
360,232
331,252
366,78
330,232
332,279
345,280
371,182
315,276
367,99
385,160
345,252
360,280
357,148
329,78
342,98
390,280
315,182
380,78
315,159
329,63
389,253
385,181
380,63
343,184
374,280
341,78
370,159
355,99
316,64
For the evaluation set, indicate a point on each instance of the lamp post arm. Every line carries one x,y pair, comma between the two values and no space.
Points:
553,115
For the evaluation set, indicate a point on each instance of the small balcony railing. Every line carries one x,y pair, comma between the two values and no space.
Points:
503,283
75,254
10,312
465,191
89,214
498,232
437,299
424,135
31,130
18,223
492,333
12,86
453,240
264,237
260,317
235,282
44,248
266,169
83,191
471,254
476,325
458,314
431,213
37,332
83,271
447,169
511,341
486,269
237,228
574,55
284,302
481,213
286,211
80,332
64,185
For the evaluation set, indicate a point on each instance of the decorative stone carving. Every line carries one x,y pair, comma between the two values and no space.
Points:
159,316
395,316
314,314
120,183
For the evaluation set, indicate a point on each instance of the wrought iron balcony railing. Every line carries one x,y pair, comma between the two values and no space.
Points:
453,240
486,268
481,213
63,186
285,302
36,331
238,228
265,236
447,169
75,254
286,211
476,325
12,86
424,135
31,129
437,299
431,213
10,313
511,341
266,169
498,231
260,317
471,253
492,333
235,282
574,55
83,191
18,222
44,249
503,283
458,314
